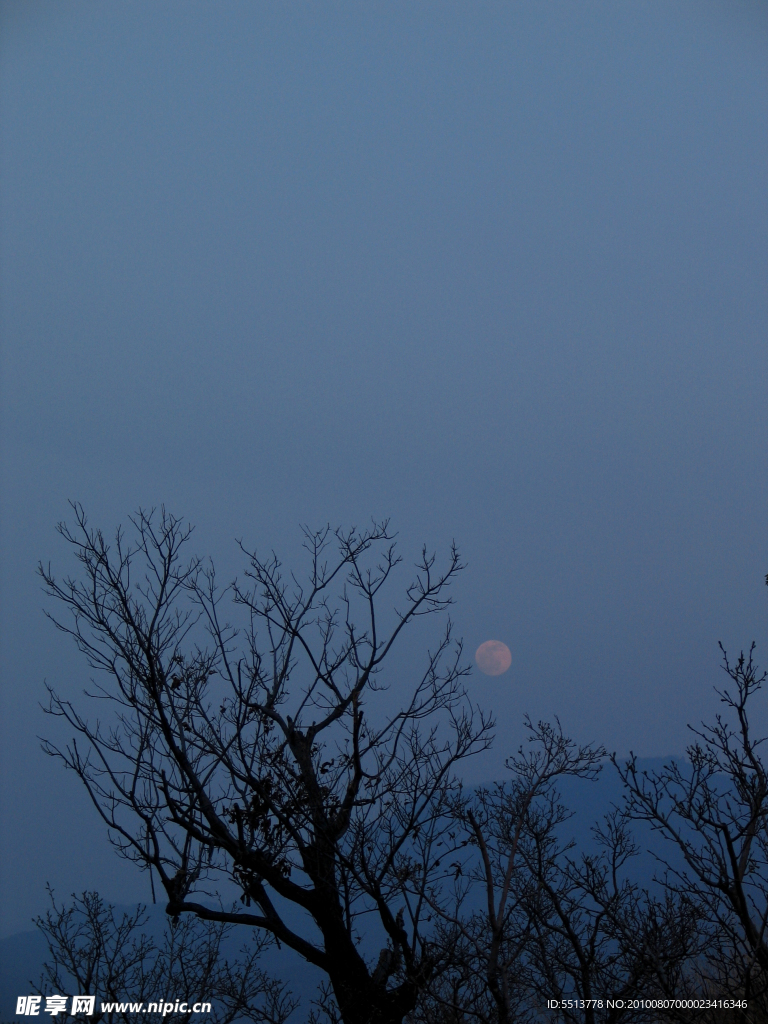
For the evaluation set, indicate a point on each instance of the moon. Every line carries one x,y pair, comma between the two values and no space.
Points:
493,657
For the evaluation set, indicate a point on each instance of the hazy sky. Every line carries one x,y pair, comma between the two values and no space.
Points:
496,270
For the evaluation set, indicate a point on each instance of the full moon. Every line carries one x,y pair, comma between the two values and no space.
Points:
493,657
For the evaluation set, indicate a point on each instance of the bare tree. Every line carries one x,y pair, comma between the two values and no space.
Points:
596,934
494,822
534,919
712,809
267,757
110,956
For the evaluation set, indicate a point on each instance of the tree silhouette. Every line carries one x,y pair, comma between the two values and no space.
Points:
268,774
712,809
110,956
265,759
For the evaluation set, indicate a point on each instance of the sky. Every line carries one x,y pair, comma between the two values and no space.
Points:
496,271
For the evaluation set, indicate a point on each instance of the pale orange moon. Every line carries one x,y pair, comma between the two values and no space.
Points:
493,657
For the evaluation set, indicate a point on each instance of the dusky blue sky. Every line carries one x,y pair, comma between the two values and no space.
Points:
496,270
